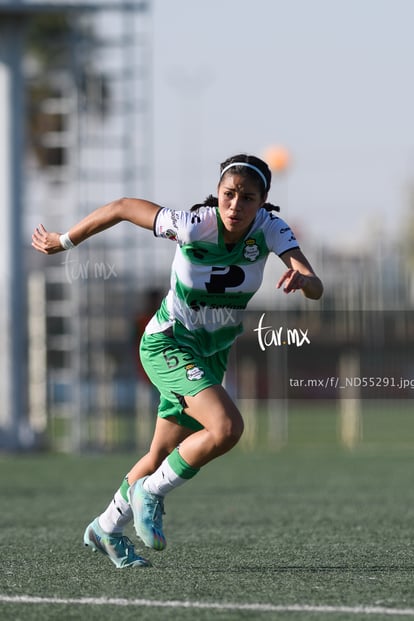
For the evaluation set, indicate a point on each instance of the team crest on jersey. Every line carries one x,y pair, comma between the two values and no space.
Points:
251,249
193,372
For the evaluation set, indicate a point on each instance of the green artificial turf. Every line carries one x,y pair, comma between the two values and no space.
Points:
311,524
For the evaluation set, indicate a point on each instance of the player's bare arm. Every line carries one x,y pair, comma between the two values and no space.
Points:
300,275
138,211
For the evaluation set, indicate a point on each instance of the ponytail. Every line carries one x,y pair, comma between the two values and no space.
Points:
270,207
210,201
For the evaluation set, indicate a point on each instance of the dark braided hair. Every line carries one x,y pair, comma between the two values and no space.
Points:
246,166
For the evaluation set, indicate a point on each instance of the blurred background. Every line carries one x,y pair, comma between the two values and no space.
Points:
146,98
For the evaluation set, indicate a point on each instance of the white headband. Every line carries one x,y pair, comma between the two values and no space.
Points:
259,172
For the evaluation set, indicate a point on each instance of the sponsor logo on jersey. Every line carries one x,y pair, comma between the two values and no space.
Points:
193,372
251,249
288,230
170,234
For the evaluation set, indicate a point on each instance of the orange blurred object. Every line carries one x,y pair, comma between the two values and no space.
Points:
277,158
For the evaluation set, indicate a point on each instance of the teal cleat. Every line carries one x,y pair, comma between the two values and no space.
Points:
118,547
148,510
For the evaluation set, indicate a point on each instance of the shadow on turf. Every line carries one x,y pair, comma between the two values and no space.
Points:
310,570
356,568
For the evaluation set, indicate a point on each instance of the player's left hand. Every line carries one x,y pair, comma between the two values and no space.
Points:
46,242
292,281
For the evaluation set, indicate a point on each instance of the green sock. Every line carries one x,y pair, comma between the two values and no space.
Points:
180,466
173,472
123,490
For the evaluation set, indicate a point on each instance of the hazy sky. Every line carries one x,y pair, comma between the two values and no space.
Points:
331,81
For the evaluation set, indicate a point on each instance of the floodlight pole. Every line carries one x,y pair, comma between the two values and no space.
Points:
12,285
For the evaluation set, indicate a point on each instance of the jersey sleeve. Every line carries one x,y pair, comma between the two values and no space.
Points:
184,227
172,224
279,236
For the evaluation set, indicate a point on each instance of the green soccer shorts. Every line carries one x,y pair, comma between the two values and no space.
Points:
177,371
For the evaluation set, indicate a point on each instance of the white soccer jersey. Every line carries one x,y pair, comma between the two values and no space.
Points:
211,282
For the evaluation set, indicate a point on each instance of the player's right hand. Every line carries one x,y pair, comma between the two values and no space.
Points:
46,242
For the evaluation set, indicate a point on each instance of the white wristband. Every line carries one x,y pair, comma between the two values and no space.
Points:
66,242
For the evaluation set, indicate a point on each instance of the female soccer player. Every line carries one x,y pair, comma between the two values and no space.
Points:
222,248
